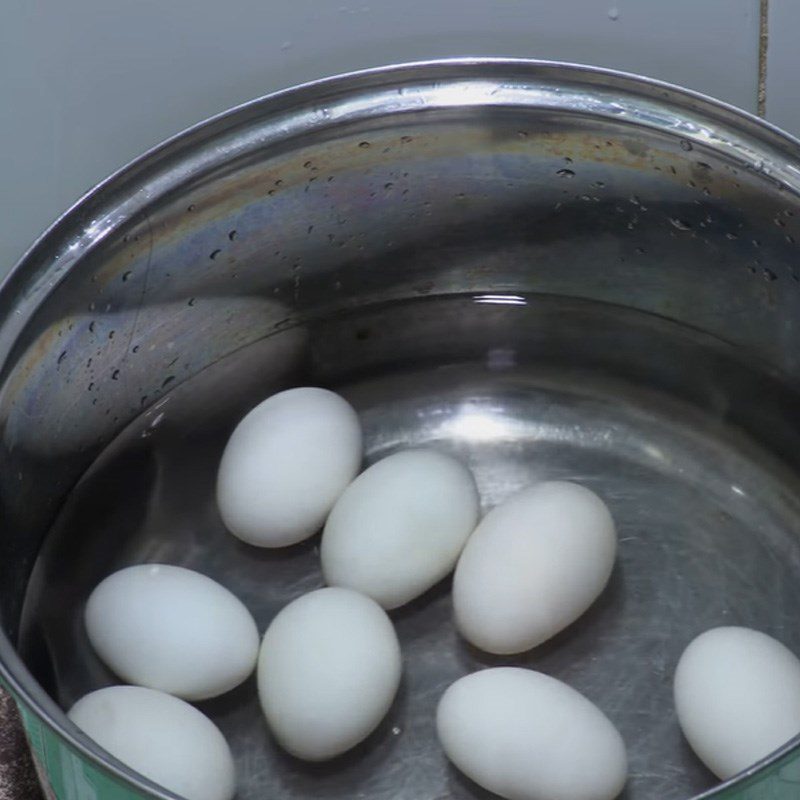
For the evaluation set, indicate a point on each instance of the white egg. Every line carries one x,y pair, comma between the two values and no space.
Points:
172,629
161,737
526,736
400,526
533,565
286,464
328,670
737,694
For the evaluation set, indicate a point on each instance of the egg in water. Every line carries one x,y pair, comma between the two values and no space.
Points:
285,465
400,526
533,565
161,737
172,629
526,736
328,671
737,695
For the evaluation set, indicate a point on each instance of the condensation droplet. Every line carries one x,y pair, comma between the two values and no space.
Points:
159,418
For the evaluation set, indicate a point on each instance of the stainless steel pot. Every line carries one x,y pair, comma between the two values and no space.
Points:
551,270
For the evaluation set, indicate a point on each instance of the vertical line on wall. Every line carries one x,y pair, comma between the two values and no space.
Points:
763,42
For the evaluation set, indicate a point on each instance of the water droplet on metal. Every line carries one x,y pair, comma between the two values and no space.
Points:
159,418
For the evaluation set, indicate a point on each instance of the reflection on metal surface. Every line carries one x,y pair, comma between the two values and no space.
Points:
501,299
477,425
82,376
654,452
